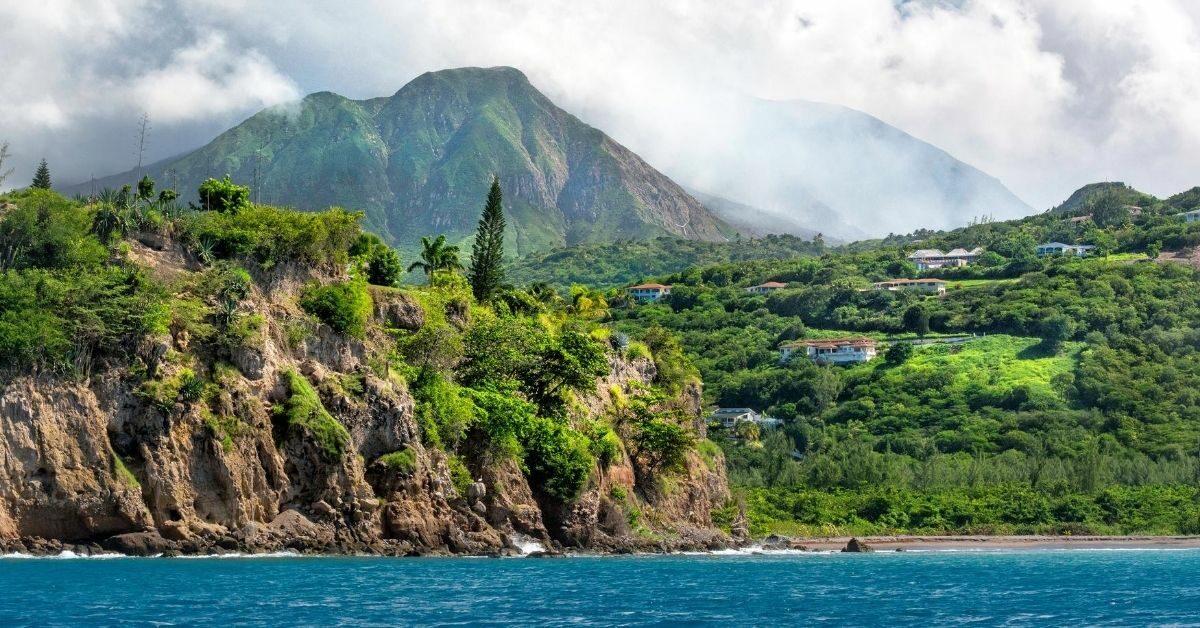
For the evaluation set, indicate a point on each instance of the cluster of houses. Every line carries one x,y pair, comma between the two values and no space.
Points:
650,292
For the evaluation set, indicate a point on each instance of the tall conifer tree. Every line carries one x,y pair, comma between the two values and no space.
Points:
487,255
41,178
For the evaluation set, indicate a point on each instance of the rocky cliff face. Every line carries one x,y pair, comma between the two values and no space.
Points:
107,463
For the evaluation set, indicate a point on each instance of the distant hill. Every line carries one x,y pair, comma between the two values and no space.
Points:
752,221
628,261
1186,201
1126,194
419,162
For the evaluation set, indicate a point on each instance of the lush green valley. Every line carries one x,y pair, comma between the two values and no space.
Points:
1076,397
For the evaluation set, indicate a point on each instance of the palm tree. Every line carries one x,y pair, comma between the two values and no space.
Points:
436,255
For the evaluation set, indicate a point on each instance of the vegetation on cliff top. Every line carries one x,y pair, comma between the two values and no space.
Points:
495,377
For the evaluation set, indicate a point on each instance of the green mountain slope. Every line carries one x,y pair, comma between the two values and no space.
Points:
1126,194
419,163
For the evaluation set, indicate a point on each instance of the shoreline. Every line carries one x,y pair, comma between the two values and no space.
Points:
769,546
1003,542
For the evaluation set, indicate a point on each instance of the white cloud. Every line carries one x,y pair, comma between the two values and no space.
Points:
1045,94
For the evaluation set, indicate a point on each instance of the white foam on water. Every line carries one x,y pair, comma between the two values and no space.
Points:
527,544
67,555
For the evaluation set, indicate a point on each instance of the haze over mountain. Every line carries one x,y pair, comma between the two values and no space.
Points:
813,164
420,161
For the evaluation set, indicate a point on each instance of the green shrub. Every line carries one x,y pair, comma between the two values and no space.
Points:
403,461
303,410
272,236
344,306
444,411
460,476
557,458
223,195
605,445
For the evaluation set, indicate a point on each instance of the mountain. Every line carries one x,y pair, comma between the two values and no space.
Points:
1126,194
825,166
419,162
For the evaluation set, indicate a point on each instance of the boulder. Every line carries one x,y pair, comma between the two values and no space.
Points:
857,546
137,544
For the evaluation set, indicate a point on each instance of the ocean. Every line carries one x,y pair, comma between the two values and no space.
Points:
1009,587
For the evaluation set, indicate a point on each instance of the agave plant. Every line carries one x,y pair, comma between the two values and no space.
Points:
110,220
206,251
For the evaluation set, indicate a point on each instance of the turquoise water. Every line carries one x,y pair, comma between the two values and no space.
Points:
985,588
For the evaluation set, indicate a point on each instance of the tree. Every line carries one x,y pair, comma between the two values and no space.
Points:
1056,329
41,178
436,255
1107,209
487,254
3,156
1153,249
899,353
145,189
223,195
383,266
916,319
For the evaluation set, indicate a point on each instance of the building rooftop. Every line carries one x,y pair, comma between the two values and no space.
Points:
829,343
771,284
898,282
649,286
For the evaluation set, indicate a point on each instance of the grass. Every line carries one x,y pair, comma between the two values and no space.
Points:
1122,257
304,410
999,361
404,461
959,284
123,473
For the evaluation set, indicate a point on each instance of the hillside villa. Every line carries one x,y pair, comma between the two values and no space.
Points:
930,285
1191,216
649,291
1058,248
764,288
833,351
729,418
935,258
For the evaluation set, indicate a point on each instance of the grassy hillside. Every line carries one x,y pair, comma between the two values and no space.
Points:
1078,400
1126,195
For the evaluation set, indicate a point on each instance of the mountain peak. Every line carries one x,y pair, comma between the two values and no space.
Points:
419,163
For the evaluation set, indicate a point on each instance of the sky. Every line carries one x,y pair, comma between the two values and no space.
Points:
1046,95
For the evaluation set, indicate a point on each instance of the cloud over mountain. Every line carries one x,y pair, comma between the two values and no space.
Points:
1044,94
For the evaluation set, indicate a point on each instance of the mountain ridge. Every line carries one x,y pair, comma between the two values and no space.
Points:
418,162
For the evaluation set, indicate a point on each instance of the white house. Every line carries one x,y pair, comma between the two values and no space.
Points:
1191,216
930,285
935,258
649,291
764,288
836,351
731,417
1058,248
